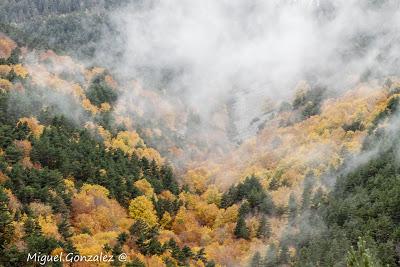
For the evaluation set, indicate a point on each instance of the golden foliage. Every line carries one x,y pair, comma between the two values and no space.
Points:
151,154
212,195
78,91
127,141
166,194
20,70
4,70
186,226
70,185
6,46
87,105
5,84
90,74
206,214
104,107
166,220
40,209
197,179
226,216
13,202
25,146
230,253
145,187
142,208
110,81
48,226
92,210
92,245
3,178
33,125
106,135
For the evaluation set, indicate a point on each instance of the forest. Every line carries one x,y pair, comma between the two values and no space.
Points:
96,161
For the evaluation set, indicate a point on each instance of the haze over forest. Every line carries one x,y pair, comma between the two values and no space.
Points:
200,133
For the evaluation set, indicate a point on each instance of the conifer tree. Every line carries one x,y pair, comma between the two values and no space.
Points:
292,208
264,228
241,230
256,260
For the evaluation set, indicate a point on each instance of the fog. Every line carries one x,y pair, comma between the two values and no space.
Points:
248,52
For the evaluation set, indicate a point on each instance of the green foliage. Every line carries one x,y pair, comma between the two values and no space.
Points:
252,191
271,257
361,257
36,241
99,92
354,126
307,192
264,228
390,109
32,185
13,154
181,255
241,229
6,227
284,256
136,262
256,260
309,102
63,26
66,149
364,202
165,205
13,59
74,152
292,208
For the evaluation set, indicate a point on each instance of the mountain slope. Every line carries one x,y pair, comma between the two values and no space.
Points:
78,174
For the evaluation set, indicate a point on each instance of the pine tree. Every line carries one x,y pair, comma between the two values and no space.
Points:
136,262
318,199
64,228
292,207
362,257
6,228
264,228
256,260
271,257
241,230
244,208
284,254
306,196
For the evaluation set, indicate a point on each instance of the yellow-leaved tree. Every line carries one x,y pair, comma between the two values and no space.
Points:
145,187
34,126
142,208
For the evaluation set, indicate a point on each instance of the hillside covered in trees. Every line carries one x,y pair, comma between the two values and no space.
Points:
95,162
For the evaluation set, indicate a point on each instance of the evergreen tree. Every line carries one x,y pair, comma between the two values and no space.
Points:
244,208
307,191
284,254
362,257
14,57
241,230
201,255
317,199
136,262
271,257
292,208
6,228
256,260
264,228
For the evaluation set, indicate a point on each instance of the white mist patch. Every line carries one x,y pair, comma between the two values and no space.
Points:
206,52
